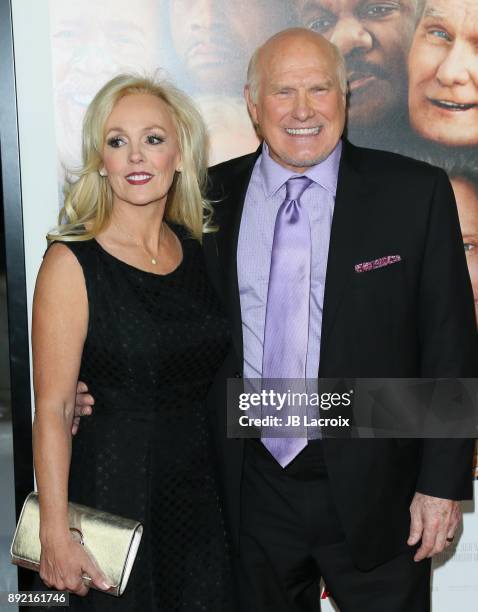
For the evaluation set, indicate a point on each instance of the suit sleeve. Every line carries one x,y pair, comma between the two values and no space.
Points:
448,339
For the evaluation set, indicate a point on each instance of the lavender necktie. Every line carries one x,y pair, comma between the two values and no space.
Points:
287,315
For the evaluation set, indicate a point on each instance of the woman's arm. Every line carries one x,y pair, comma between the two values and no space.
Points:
60,322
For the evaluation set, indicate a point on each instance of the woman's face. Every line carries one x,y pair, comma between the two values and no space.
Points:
467,202
141,150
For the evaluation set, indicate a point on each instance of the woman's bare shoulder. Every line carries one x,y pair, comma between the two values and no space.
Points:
61,268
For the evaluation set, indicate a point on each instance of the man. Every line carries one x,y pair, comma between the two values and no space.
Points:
91,43
213,39
443,72
206,45
339,509
375,38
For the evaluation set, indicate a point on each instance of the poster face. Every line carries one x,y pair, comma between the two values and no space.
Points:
92,42
443,67
374,38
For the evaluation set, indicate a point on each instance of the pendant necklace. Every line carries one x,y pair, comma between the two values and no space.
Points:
154,260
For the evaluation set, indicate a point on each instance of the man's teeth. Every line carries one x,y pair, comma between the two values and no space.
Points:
139,177
454,105
313,131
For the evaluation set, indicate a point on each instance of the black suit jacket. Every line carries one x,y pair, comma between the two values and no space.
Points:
411,319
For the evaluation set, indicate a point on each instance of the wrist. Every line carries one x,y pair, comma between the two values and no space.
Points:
54,534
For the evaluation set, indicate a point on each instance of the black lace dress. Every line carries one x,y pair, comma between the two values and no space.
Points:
154,344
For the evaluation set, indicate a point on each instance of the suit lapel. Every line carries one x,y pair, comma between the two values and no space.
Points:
228,217
347,236
350,211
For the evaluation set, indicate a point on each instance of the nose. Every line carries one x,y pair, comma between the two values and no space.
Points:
206,14
93,58
135,153
302,109
350,35
457,66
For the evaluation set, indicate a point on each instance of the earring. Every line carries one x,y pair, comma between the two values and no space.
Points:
102,172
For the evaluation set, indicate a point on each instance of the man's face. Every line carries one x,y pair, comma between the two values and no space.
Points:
374,37
466,196
215,38
300,109
443,73
92,42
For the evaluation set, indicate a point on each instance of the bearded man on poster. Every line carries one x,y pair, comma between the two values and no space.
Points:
365,515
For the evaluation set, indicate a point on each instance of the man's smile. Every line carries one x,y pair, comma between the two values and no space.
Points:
305,131
450,105
360,80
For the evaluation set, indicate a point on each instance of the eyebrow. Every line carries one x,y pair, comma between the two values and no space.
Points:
146,129
312,5
326,82
431,11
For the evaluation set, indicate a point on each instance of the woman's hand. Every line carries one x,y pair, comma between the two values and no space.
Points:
83,405
64,562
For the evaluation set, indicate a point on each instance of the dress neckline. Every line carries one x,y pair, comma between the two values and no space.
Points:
147,272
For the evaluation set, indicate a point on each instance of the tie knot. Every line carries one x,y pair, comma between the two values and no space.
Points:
296,186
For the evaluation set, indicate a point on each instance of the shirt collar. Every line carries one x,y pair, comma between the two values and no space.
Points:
324,173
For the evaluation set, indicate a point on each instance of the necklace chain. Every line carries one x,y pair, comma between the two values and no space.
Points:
154,260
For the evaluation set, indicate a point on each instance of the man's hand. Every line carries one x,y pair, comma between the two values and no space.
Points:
434,521
83,405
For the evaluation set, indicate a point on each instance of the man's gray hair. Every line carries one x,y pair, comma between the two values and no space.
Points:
253,76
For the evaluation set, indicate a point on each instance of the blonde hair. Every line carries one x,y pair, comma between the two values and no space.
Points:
88,200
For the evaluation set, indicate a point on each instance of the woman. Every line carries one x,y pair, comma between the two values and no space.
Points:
122,302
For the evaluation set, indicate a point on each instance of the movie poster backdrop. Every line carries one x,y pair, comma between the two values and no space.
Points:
413,88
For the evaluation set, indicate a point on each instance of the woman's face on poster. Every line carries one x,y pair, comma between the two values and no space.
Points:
214,39
443,73
466,195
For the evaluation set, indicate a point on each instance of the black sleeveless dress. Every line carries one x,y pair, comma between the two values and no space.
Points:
153,346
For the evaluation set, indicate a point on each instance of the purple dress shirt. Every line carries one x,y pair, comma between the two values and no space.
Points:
265,194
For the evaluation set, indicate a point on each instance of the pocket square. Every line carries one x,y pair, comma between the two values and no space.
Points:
366,266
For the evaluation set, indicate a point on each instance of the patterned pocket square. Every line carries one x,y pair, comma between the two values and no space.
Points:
366,266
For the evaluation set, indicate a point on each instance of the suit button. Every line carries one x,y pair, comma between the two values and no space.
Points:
237,375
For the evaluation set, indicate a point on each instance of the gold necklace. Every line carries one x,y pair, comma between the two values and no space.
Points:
153,259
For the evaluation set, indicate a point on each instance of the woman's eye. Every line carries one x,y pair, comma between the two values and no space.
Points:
468,246
153,140
115,142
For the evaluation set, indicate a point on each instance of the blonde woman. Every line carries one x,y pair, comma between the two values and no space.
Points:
122,302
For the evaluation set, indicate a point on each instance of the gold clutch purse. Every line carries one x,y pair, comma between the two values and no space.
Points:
112,540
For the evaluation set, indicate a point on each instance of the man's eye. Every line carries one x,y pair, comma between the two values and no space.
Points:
154,140
321,25
437,33
115,142
65,34
379,11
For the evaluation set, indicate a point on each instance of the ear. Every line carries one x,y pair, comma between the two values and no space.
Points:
251,106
